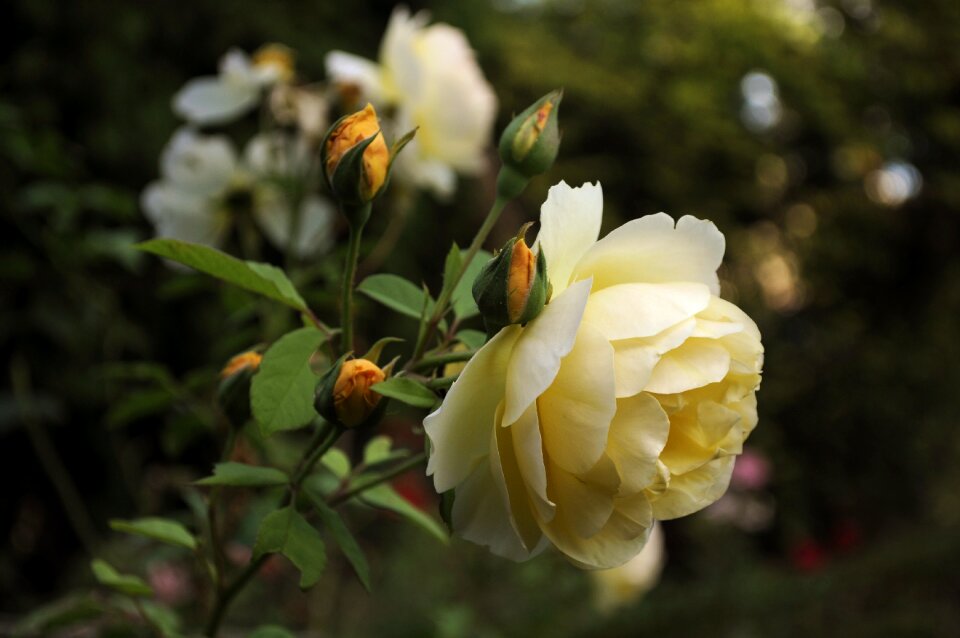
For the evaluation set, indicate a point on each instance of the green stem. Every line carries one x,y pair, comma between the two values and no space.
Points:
323,439
441,307
442,382
224,600
213,510
340,497
427,363
349,272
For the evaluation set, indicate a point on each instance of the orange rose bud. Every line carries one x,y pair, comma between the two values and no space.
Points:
354,401
512,287
249,360
349,183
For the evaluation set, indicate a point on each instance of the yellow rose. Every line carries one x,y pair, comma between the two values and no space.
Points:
625,401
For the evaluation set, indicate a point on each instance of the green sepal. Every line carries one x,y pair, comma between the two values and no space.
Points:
539,291
373,354
347,179
323,400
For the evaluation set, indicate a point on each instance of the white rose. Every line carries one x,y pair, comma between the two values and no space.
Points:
237,89
202,178
625,401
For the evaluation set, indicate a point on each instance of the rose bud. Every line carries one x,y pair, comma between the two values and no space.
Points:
356,158
233,394
512,287
529,144
345,396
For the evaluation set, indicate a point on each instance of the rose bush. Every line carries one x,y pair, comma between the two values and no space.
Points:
625,401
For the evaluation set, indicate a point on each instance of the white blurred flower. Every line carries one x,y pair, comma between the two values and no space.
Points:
613,588
237,89
305,107
204,186
429,74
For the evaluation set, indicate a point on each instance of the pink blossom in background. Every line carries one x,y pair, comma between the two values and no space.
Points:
752,470
170,582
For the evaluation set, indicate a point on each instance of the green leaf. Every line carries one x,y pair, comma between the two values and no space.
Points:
346,541
337,462
406,391
462,301
378,451
123,583
473,339
451,266
384,497
286,532
271,631
262,279
159,529
281,394
243,475
397,294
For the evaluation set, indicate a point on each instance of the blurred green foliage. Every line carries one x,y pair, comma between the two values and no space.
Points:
111,357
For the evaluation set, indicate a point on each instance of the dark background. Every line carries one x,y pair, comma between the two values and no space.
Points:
857,295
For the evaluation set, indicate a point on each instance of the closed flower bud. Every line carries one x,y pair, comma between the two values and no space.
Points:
530,143
356,158
233,394
345,395
512,287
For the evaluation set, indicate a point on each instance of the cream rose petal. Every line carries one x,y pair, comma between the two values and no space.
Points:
528,447
480,514
696,363
507,475
638,434
569,226
628,311
576,410
691,492
652,249
399,55
540,346
619,541
634,359
583,508
459,430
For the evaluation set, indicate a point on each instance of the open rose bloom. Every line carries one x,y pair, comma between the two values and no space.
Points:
624,402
